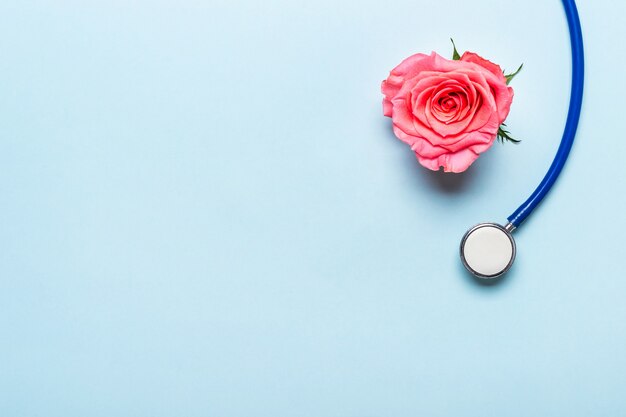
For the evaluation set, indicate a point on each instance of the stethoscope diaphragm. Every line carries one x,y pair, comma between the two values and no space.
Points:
488,250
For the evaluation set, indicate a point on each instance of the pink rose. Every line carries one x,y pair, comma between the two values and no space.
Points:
448,111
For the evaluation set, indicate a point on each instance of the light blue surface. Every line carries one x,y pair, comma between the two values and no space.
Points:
203,212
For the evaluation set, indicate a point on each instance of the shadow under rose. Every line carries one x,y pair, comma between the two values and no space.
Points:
445,182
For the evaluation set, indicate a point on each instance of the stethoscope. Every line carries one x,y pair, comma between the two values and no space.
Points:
488,249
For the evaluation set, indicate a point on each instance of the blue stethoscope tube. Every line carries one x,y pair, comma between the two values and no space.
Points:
573,116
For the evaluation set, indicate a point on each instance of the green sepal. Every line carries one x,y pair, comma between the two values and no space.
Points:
455,53
510,77
505,135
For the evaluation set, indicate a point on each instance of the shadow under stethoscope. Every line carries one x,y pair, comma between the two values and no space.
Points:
494,284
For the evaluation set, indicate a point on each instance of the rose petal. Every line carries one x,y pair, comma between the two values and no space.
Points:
447,111
485,63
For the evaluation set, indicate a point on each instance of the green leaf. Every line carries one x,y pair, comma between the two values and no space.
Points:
510,77
504,134
455,54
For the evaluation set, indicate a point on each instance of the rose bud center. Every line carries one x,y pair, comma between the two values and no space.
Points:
449,104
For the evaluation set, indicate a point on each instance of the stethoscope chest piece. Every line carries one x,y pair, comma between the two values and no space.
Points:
488,250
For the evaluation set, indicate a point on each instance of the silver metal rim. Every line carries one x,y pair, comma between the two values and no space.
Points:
462,252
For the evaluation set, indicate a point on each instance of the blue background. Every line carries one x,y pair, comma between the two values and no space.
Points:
203,212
